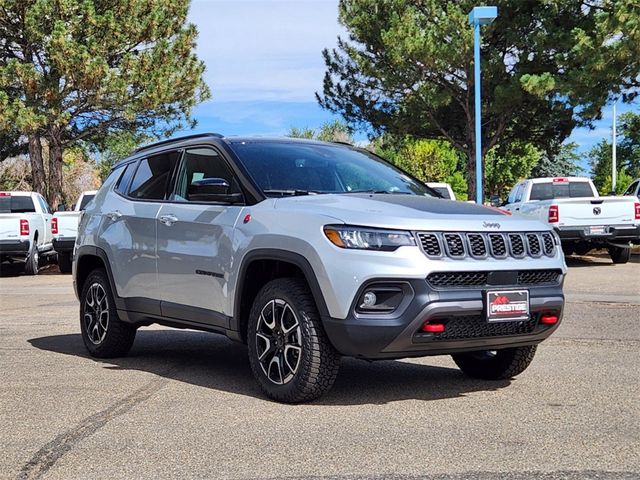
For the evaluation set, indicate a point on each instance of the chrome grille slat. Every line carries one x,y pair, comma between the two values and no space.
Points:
479,245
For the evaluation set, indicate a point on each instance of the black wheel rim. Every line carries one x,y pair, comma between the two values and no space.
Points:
96,313
278,341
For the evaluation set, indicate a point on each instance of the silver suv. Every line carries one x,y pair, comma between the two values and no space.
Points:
307,251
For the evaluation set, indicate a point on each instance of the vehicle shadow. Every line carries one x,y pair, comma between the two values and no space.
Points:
11,269
595,261
212,361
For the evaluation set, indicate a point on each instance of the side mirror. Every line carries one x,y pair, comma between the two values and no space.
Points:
212,190
495,201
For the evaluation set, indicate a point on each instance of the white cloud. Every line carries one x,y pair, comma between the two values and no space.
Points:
264,50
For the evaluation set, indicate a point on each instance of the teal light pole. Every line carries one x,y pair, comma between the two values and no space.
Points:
479,16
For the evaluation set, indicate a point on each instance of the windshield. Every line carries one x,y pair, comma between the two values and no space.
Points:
281,168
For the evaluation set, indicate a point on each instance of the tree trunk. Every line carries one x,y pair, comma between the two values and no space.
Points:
38,183
55,196
471,173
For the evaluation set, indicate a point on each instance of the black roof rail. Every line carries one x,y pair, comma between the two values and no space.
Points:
178,139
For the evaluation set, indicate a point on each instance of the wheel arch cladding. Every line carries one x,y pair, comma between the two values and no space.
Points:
261,266
88,259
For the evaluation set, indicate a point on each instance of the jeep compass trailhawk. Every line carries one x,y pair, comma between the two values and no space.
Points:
307,251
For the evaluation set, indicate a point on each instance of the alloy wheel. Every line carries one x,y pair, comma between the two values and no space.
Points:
278,341
96,313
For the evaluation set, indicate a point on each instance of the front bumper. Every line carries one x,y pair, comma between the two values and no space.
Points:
64,244
15,247
612,233
399,335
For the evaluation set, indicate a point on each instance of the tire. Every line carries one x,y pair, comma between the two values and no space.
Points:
620,254
103,333
307,364
32,262
64,262
497,364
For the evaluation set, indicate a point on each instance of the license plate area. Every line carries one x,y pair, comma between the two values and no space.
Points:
507,305
598,230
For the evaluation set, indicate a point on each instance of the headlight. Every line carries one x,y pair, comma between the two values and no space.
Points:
362,238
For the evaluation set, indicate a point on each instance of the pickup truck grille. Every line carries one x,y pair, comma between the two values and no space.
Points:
482,245
476,326
481,279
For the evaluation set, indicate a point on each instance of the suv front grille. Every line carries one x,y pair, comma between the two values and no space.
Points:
481,279
481,245
476,326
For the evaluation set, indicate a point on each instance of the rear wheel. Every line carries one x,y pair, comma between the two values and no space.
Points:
620,254
33,260
64,262
495,364
289,352
103,333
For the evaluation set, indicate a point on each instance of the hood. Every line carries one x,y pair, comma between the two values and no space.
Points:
407,212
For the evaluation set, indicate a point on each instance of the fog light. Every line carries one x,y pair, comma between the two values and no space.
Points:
380,299
369,299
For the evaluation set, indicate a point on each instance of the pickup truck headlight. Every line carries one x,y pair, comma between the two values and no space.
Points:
363,238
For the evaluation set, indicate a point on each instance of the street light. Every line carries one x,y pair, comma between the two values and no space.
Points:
479,16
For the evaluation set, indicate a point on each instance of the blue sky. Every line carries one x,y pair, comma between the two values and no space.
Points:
264,65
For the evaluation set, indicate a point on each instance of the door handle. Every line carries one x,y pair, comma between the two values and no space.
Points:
114,215
517,209
168,220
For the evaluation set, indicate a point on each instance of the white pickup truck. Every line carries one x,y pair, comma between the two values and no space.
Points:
64,228
25,229
582,219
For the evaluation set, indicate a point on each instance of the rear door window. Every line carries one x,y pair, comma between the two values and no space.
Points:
16,204
153,175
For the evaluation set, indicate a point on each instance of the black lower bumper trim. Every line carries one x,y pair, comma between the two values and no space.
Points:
14,247
399,337
613,233
63,245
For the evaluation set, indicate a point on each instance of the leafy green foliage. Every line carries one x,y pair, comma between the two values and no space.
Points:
335,131
77,70
506,166
628,156
427,160
565,163
407,69
116,146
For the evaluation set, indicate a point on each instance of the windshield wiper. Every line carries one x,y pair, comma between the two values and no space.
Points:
293,192
390,192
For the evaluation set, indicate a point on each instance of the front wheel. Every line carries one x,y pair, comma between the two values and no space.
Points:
620,254
289,352
103,333
495,364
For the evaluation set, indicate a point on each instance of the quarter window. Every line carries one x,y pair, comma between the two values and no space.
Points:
125,178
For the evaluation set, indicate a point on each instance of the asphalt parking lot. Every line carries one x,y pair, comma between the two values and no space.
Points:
184,404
